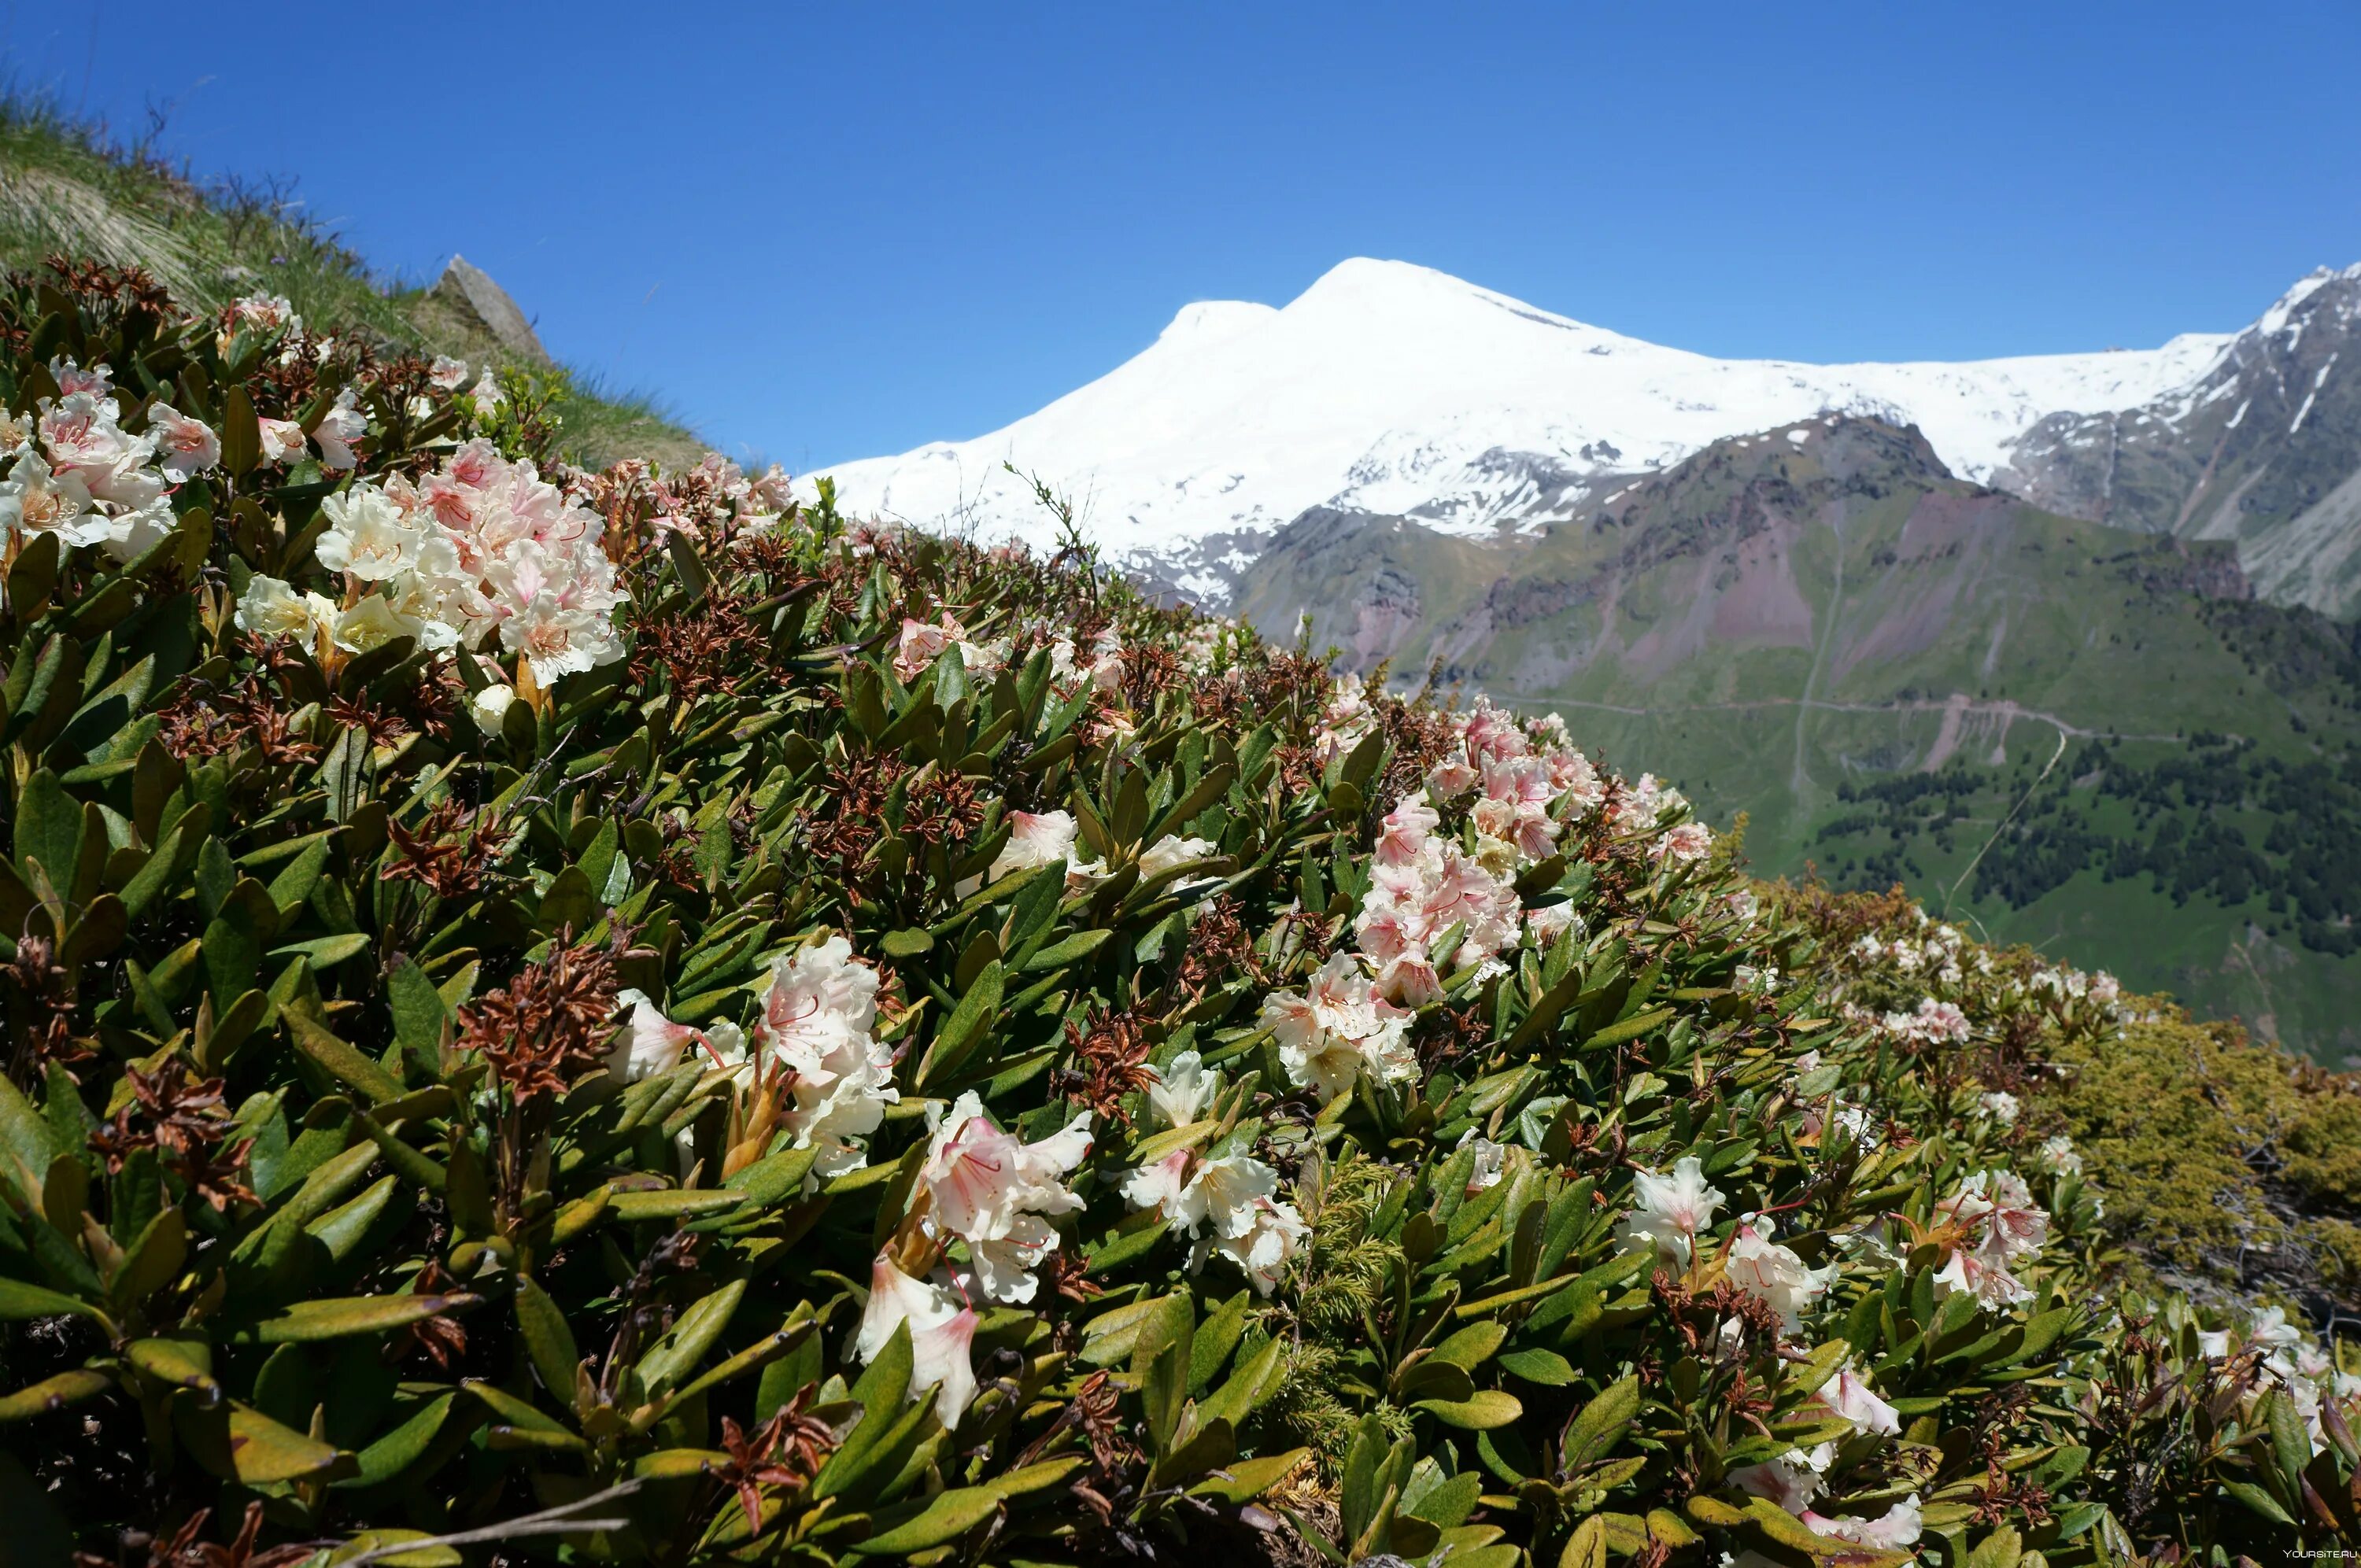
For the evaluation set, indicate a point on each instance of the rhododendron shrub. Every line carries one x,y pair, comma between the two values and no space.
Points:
623,1017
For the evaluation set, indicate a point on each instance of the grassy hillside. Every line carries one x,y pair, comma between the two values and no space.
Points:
67,190
2065,734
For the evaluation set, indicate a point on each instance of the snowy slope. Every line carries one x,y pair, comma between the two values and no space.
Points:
1395,388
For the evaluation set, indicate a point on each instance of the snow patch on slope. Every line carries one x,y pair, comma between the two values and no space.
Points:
1392,388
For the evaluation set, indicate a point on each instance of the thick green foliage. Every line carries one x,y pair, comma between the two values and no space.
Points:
344,1197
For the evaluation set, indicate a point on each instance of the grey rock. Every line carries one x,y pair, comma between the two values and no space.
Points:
469,290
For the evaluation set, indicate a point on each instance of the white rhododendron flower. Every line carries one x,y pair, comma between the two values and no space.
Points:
490,705
269,608
650,1043
1489,1159
446,373
35,500
1991,1224
1171,852
1337,1028
371,623
185,448
1792,1480
338,428
2057,1155
368,537
1899,1527
283,440
2001,1106
1230,1205
1181,1088
1774,1275
942,1329
1848,1394
1670,1210
991,1190
816,1022
1044,839
481,547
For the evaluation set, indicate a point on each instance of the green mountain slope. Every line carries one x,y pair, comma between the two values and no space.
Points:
65,190
2088,739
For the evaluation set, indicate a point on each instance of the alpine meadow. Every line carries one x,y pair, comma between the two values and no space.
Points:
566,1001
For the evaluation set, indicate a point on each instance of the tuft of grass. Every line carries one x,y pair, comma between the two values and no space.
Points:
66,187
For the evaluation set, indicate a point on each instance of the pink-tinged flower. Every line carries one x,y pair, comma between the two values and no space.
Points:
1492,734
1407,979
33,500
81,436
942,1329
74,379
1898,1528
990,1188
185,446
1406,829
283,440
1774,1275
446,373
1451,778
265,312
1171,852
651,1043
1669,1210
338,430
1848,1394
1339,1028
1685,844
921,645
1045,839
814,1027
1792,1480
1230,1204
1548,922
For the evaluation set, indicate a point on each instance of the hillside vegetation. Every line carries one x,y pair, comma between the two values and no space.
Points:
2089,740
578,1016
67,190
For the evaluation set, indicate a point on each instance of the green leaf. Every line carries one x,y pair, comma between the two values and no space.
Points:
336,1317
548,1340
1546,1367
950,1516
49,827
1601,1423
677,1353
910,942
52,1394
176,1364
1487,1408
2258,1501
343,1062
20,1302
966,1028
1247,1479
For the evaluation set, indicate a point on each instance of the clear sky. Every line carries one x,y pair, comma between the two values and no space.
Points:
818,233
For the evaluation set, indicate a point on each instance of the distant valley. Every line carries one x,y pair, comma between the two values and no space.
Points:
2060,643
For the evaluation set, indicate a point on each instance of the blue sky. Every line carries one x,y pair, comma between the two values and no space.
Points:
822,233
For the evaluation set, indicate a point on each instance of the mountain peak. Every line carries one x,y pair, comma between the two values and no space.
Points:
1391,388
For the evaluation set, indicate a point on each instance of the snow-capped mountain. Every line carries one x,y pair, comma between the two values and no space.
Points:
2263,448
1394,389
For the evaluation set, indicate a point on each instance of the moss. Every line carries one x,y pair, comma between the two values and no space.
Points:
2224,1162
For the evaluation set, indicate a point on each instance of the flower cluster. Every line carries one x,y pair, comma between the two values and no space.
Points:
483,547
77,474
817,1016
